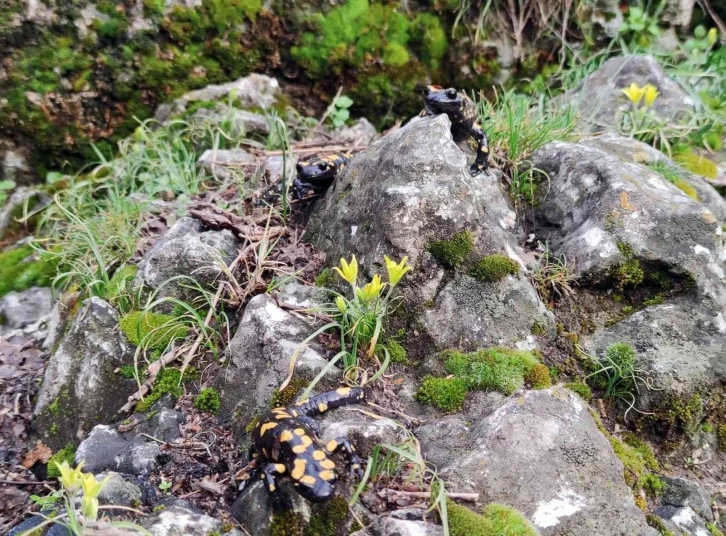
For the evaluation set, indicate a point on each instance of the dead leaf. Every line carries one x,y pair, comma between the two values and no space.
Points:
40,453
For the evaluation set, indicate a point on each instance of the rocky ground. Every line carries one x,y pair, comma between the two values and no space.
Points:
646,268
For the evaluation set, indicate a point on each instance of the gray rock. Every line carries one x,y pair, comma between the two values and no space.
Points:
118,492
186,249
274,168
389,526
444,439
601,97
407,190
362,431
241,122
260,354
682,521
542,453
180,521
80,388
359,134
253,91
255,507
105,449
679,12
225,163
682,492
27,312
163,425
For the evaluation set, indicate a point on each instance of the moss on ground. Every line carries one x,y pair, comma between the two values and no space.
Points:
447,394
721,436
168,381
453,251
66,454
208,400
324,278
287,395
493,268
154,331
397,352
581,389
20,269
495,520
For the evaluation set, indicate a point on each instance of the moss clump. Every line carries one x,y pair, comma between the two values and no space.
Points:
152,330
327,519
493,268
628,273
495,520
168,381
633,463
18,273
397,352
685,413
657,523
287,395
721,436
643,450
581,389
497,369
324,278
697,164
453,251
653,485
285,523
66,454
714,530
208,400
538,328
447,394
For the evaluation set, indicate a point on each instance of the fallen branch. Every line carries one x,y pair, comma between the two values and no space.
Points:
393,494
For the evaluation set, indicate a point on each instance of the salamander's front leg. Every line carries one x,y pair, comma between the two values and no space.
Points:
269,471
299,188
482,151
355,463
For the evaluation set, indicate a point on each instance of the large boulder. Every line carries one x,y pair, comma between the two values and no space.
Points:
187,249
80,386
542,453
600,96
409,190
27,312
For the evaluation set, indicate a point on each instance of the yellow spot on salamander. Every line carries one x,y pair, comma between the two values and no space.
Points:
299,470
267,426
299,449
280,468
327,475
319,455
294,413
308,479
332,445
343,391
286,436
327,464
306,440
299,431
485,149
322,408
301,402
272,487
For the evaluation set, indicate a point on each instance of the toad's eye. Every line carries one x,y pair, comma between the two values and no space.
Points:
451,93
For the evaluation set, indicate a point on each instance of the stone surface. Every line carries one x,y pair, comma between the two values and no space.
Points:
241,122
225,163
542,453
13,207
118,492
255,507
682,521
187,249
407,190
359,134
685,493
601,97
362,431
178,520
260,354
27,312
105,449
80,388
389,526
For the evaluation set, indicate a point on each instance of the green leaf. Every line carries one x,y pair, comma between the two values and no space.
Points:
7,185
344,102
53,176
635,12
699,32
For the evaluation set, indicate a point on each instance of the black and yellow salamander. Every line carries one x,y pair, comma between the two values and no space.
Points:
286,441
317,174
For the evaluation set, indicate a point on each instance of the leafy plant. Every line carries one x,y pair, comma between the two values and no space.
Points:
640,26
5,187
675,175
164,485
339,110
81,489
553,277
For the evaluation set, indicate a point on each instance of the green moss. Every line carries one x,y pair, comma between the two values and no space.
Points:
66,454
168,381
633,463
152,330
54,407
538,328
285,523
655,300
19,272
629,273
495,520
653,485
643,450
581,389
494,267
657,523
397,352
538,377
714,530
685,413
453,251
697,164
287,395
208,400
721,435
447,394
327,519
324,278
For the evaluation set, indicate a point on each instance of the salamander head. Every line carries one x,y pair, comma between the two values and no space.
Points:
315,170
444,101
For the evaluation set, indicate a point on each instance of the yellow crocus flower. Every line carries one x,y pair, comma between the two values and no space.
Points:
371,290
349,272
396,271
712,36
89,507
341,304
650,93
91,486
634,93
69,478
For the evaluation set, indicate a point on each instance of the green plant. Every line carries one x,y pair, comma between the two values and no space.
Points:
640,27
453,251
714,530
495,520
581,389
339,110
359,321
721,436
494,267
25,266
447,394
66,454
653,485
553,277
82,489
208,400
164,485
5,187
153,331
675,175
619,377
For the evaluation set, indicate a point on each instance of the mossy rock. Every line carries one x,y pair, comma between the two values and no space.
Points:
494,267
495,520
453,251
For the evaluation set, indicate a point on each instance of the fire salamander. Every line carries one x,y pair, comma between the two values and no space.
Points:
318,174
462,114
286,442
